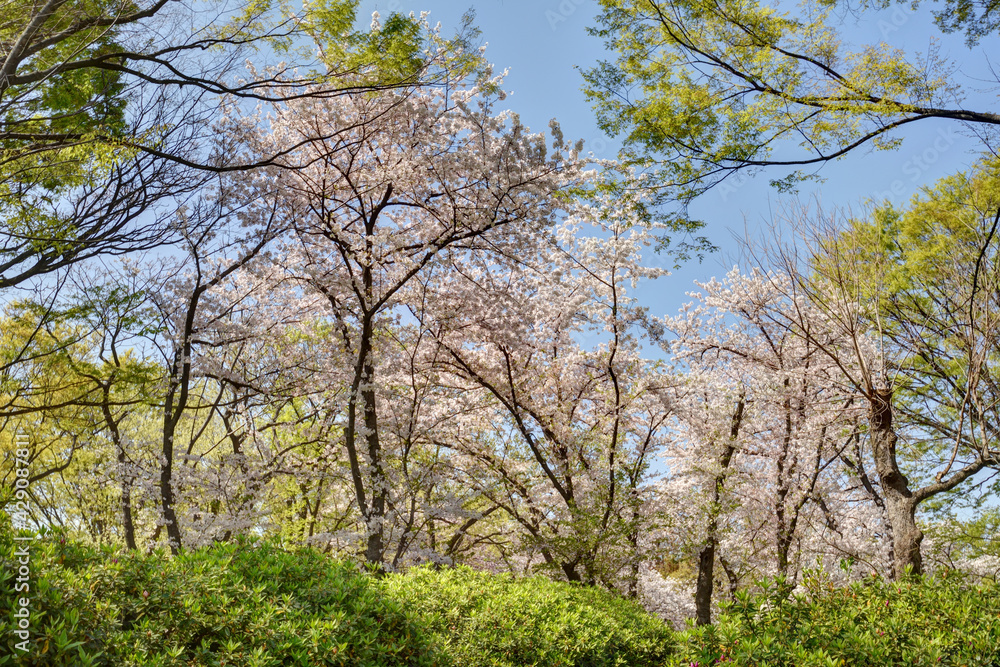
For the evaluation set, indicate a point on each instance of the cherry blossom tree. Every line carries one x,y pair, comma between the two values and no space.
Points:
377,189
200,296
762,423
563,435
914,338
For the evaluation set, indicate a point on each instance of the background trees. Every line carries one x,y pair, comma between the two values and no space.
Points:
359,307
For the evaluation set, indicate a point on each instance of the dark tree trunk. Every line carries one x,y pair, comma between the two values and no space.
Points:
173,406
128,524
900,503
375,550
706,559
569,569
166,487
706,580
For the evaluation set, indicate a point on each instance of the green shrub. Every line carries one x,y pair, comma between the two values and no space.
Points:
252,604
241,604
924,622
498,621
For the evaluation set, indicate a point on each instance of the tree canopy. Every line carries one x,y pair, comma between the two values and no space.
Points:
699,90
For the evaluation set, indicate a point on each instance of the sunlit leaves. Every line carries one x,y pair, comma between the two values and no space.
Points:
700,89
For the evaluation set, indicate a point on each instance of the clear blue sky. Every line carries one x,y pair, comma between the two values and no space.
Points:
542,42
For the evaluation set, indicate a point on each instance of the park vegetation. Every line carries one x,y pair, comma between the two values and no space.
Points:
312,353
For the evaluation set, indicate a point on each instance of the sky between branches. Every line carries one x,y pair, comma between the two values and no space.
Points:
542,42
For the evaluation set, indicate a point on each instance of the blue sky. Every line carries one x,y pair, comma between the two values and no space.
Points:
542,42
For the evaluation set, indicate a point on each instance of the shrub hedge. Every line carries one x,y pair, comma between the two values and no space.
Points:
485,620
252,604
933,621
241,604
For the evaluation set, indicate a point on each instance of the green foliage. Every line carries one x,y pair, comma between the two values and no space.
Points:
699,89
956,542
242,604
497,621
978,18
927,621
926,276
48,120
395,50
252,604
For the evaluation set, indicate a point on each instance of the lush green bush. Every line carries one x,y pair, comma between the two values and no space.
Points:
930,621
252,604
488,620
232,605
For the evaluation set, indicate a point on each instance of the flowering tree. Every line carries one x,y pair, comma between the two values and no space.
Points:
201,296
563,435
916,336
377,189
763,422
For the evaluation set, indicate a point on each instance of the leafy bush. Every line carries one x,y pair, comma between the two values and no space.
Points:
252,604
485,620
939,621
241,604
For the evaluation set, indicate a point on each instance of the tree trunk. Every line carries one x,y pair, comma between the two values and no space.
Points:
171,415
375,551
900,504
569,569
706,559
166,489
706,580
128,524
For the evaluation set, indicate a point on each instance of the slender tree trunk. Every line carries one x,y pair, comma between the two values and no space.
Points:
128,524
371,502
166,486
706,559
734,581
900,504
375,551
171,415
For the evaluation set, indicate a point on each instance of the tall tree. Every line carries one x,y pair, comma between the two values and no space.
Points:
378,189
910,296
762,419
563,435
